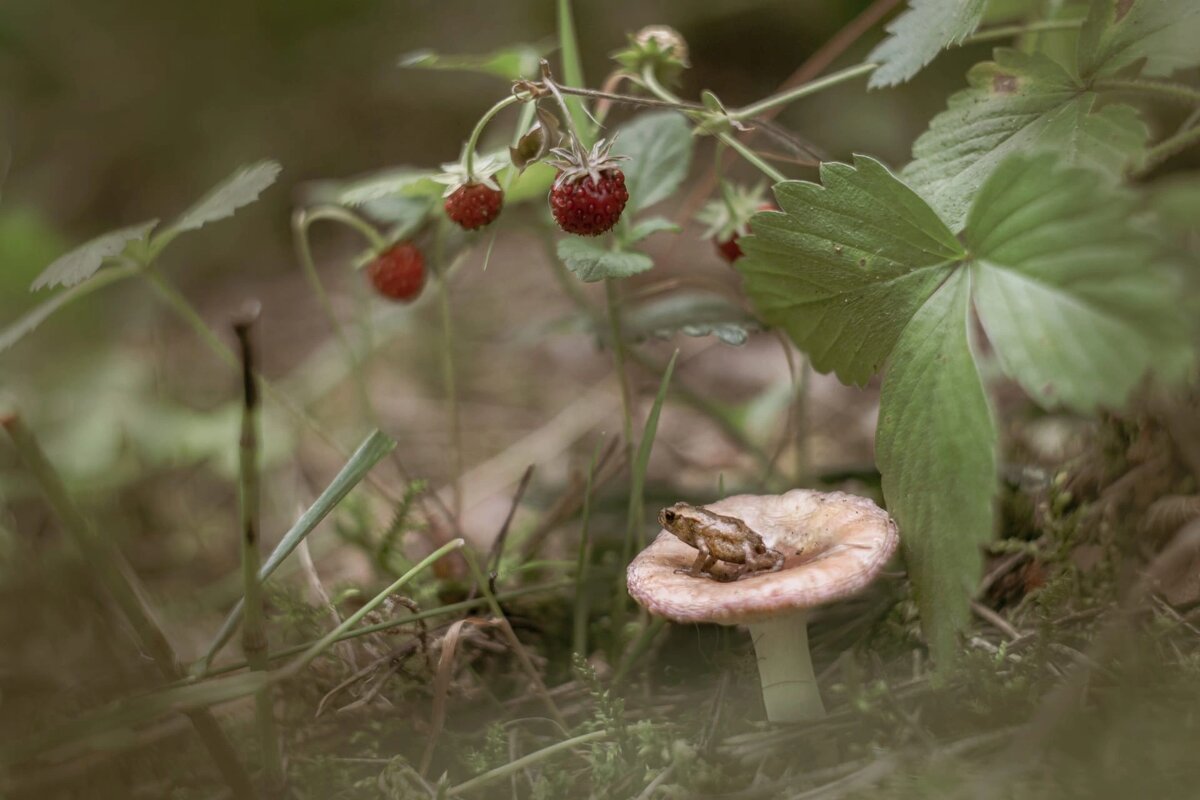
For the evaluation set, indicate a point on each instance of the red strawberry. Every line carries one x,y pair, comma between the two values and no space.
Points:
398,273
589,194
474,205
728,219
729,248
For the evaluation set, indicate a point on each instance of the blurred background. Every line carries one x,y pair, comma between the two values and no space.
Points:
126,110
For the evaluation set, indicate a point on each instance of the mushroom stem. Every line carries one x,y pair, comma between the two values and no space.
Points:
789,687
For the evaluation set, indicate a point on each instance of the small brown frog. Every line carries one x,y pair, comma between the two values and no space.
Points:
719,538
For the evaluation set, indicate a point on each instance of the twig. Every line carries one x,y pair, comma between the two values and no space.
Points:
254,633
995,620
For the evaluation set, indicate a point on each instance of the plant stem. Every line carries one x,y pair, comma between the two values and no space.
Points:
1167,148
301,221
1177,92
568,44
472,143
580,622
367,630
804,90
254,634
512,767
789,686
657,89
1006,31
612,300
539,687
337,633
448,373
126,589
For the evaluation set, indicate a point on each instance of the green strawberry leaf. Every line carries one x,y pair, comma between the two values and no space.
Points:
591,262
935,447
648,227
511,63
1016,103
238,190
659,147
1162,34
919,34
845,266
82,262
401,181
1066,287
691,314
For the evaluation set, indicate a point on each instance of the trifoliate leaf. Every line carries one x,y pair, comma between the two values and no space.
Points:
659,147
1118,33
511,63
935,447
591,262
1066,286
919,34
82,262
240,189
692,314
845,266
1016,104
649,227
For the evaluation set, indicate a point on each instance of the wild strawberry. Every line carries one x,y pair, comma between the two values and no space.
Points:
398,273
728,219
473,199
589,194
473,205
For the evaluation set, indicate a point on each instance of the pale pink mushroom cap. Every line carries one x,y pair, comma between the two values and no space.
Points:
834,544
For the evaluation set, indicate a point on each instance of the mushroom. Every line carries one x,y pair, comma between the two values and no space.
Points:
834,544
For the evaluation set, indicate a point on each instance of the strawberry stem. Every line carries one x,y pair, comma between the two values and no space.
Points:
469,155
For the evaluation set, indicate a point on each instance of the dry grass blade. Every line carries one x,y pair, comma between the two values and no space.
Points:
441,684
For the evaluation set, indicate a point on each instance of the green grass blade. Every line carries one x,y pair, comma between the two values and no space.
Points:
572,70
368,454
638,479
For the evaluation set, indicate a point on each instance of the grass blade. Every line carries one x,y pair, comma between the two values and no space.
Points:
568,45
368,454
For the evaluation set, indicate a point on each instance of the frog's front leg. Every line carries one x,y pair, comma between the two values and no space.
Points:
703,563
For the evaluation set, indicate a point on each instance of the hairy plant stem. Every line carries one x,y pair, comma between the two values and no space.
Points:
254,628
1167,148
1006,31
123,584
804,90
1175,92
473,142
657,89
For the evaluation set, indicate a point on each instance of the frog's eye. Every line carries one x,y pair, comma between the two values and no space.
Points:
669,515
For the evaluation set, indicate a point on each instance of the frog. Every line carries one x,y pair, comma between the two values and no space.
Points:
718,537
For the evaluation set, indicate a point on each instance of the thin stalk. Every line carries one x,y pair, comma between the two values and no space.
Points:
301,221
446,346
580,623
514,767
1176,92
804,90
612,301
518,649
367,630
126,589
473,142
1167,148
660,91
568,44
254,633
326,641
1007,31
180,305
